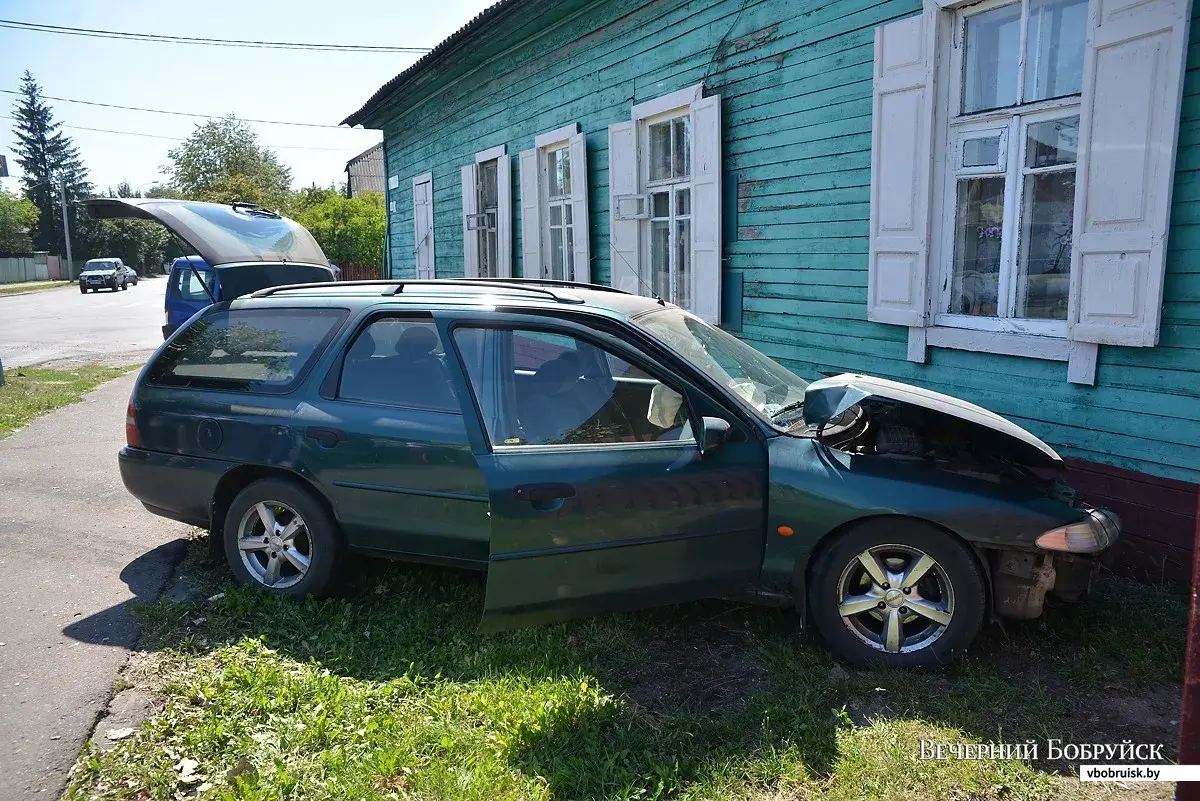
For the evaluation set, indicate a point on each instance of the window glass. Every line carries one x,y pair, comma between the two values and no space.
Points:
660,151
660,258
977,240
189,287
682,146
249,278
486,175
1047,220
1054,48
558,164
254,350
993,48
1052,143
982,151
398,362
683,263
538,388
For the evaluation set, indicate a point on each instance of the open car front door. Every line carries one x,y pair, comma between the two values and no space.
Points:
601,499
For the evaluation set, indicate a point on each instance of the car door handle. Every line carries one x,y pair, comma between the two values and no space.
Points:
540,493
326,436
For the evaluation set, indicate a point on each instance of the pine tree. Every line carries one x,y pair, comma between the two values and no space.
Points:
46,156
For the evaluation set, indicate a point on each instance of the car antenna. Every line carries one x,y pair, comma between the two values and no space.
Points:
637,273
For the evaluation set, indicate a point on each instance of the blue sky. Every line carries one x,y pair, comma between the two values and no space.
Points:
317,87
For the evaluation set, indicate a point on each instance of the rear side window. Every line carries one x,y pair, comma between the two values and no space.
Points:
188,286
398,362
250,350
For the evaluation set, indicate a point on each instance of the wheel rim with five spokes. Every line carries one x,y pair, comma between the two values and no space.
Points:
895,598
274,544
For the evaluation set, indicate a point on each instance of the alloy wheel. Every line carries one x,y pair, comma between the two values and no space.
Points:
895,598
274,543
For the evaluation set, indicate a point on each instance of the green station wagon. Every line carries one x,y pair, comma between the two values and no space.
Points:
596,451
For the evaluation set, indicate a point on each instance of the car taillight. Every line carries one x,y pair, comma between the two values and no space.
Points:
132,439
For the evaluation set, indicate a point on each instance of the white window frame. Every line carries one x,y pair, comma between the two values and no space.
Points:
952,130
630,197
1133,70
471,217
536,202
671,186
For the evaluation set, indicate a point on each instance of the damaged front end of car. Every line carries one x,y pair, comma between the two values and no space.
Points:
874,418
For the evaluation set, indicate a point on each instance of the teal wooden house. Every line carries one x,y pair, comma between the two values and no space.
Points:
998,200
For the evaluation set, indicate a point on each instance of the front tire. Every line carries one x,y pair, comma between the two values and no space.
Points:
279,538
83,290
897,592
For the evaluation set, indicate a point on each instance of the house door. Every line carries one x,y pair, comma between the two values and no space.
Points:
600,499
423,224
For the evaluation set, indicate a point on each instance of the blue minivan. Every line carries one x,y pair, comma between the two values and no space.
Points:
239,249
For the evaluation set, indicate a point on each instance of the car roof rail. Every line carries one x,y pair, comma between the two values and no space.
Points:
561,283
397,285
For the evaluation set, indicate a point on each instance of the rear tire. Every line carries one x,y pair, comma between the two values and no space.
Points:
900,621
298,556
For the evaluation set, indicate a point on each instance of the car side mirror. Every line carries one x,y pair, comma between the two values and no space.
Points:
714,432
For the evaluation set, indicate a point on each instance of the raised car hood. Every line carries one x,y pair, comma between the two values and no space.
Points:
220,233
829,397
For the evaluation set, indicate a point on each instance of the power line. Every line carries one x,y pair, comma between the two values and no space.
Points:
180,139
100,33
179,113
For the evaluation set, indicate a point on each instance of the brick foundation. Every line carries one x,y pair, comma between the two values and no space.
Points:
1158,518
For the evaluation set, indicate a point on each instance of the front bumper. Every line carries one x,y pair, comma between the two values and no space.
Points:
171,485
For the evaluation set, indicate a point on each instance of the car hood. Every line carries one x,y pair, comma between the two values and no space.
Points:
105,271
220,233
830,397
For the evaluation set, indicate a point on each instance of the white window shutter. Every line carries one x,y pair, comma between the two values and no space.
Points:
470,238
423,226
531,220
579,208
901,172
706,208
504,249
622,180
1133,76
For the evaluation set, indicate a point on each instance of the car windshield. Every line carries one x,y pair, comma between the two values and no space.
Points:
774,391
100,265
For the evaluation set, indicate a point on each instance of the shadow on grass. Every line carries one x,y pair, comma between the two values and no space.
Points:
652,703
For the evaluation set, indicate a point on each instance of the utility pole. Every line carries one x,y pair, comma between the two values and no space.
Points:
62,196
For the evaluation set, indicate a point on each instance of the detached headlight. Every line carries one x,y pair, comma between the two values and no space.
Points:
1093,535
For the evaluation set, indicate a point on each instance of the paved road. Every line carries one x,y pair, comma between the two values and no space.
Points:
63,324
75,550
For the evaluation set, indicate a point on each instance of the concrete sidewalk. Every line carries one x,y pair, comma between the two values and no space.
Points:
75,551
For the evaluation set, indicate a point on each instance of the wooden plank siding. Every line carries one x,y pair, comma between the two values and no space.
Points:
795,81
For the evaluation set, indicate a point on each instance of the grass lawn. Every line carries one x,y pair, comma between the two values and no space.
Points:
32,286
30,391
388,692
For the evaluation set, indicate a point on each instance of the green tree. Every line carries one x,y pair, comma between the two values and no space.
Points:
222,161
47,156
349,230
18,217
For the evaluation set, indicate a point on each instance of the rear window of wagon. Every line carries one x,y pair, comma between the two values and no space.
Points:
247,350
